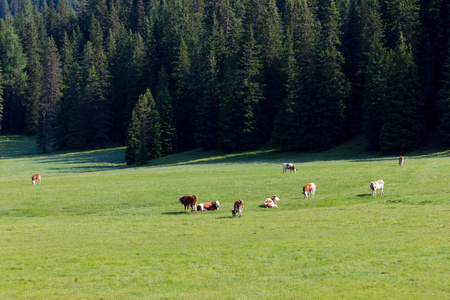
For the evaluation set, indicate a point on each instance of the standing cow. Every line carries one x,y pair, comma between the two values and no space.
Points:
309,188
189,200
401,159
290,167
238,208
377,185
36,177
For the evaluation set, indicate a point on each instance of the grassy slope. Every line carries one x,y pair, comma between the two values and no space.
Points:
96,229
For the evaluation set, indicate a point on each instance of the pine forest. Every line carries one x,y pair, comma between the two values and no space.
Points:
165,76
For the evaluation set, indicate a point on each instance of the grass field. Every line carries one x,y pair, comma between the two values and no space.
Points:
96,229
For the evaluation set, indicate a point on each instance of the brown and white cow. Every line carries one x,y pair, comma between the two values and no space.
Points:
377,185
238,208
213,205
309,188
290,167
36,177
401,159
189,200
270,202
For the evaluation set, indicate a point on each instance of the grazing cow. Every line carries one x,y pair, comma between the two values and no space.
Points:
309,188
208,206
238,208
36,177
401,159
377,185
290,167
189,200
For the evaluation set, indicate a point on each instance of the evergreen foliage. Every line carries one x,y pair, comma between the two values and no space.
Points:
144,133
228,75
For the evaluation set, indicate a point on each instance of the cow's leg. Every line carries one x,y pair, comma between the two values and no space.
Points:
382,191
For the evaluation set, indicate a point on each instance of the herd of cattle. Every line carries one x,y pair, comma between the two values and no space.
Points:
191,201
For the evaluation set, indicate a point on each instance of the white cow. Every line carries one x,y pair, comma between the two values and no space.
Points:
377,185
270,202
290,167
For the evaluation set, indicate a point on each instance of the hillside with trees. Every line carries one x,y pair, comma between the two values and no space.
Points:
168,76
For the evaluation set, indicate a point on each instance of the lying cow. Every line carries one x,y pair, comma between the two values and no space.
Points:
309,188
377,185
270,202
401,159
290,167
36,177
189,200
208,206
238,208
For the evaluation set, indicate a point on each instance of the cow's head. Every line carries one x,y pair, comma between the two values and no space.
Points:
217,204
33,182
275,198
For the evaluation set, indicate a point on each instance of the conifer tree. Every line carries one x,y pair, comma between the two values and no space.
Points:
250,93
208,107
302,33
4,9
185,100
167,118
444,102
96,89
144,135
51,94
13,63
403,121
32,43
374,88
1,98
325,113
287,123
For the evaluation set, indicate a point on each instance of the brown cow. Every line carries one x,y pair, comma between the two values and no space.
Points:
36,177
238,208
401,159
213,205
189,200
309,188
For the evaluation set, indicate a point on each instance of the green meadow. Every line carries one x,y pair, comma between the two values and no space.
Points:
97,229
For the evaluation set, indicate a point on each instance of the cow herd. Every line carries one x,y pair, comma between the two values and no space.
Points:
308,189
191,201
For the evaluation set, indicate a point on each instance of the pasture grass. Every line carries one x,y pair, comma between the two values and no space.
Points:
96,229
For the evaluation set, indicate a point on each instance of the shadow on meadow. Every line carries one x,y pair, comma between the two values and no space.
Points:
85,161
114,158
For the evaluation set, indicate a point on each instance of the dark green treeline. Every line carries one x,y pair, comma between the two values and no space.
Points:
225,74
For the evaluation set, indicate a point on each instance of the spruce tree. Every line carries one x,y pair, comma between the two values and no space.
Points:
208,107
15,80
250,94
1,98
373,92
403,120
325,113
144,135
444,102
51,94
